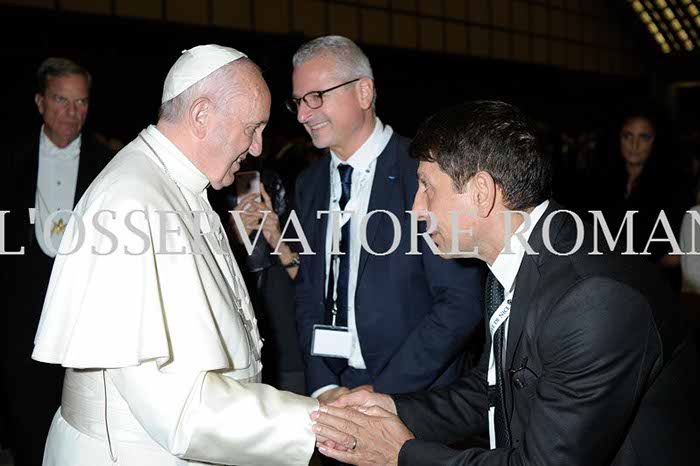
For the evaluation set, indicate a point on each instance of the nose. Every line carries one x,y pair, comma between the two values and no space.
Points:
635,143
256,147
72,108
303,112
420,206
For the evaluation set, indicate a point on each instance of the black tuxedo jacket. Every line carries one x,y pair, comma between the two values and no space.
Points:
27,275
29,391
598,370
414,313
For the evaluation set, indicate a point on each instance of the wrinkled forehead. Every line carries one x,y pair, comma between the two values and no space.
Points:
74,83
259,94
250,78
255,101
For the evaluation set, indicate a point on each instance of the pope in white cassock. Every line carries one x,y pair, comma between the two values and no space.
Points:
149,314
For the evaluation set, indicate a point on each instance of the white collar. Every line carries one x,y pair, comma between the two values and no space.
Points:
48,148
505,267
369,151
177,164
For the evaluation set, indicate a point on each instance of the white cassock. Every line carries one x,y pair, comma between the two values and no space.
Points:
157,332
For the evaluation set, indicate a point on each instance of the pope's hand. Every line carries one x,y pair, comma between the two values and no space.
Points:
331,395
367,388
372,437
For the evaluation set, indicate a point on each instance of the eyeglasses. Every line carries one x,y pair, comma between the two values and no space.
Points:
313,99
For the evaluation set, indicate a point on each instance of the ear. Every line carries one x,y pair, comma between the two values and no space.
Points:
483,193
39,101
199,116
365,90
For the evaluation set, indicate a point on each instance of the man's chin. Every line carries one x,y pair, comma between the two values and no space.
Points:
318,141
458,255
442,251
65,137
230,176
446,251
223,183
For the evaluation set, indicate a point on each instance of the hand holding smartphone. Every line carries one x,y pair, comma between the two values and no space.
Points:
248,182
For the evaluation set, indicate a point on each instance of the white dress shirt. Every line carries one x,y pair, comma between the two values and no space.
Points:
363,162
57,178
506,266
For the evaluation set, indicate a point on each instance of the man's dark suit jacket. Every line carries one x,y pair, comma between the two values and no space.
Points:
414,313
30,390
602,372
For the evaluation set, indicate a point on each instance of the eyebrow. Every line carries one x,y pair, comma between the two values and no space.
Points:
257,123
296,96
60,94
632,133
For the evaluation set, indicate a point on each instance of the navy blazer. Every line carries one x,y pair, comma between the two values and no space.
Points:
414,313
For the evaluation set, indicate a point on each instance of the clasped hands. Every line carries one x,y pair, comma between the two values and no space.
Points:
360,427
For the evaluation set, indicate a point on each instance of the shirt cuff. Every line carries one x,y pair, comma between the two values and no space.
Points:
323,390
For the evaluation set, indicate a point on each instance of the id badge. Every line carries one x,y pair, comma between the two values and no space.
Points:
330,341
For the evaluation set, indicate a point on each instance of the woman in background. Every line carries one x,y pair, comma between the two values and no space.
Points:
644,177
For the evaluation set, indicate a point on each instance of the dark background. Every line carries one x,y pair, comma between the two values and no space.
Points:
129,59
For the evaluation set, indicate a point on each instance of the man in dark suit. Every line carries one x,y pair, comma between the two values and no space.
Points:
585,362
403,318
49,170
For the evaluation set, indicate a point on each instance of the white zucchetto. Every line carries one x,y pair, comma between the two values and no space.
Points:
196,64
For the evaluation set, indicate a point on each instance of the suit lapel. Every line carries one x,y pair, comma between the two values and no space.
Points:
28,160
526,283
27,170
385,195
85,171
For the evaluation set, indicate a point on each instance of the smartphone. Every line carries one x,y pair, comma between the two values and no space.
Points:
248,182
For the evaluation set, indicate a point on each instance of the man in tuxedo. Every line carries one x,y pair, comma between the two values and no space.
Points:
403,319
584,363
49,170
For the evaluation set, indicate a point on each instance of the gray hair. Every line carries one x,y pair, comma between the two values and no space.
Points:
351,60
56,66
215,87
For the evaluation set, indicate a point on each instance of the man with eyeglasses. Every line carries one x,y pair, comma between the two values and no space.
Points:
368,320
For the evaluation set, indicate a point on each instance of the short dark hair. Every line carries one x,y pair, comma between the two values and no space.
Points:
56,66
491,136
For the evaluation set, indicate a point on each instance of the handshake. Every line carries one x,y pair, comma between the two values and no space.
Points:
359,427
